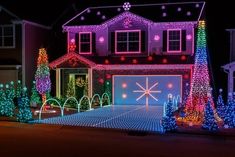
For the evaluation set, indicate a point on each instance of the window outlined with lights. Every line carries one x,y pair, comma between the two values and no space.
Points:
127,41
85,42
7,36
174,39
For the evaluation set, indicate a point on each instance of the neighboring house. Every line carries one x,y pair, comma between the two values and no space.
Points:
138,54
19,43
230,67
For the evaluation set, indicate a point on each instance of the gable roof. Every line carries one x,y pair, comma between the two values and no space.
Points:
68,56
162,12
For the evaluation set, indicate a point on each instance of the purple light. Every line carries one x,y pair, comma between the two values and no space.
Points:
98,13
88,10
101,39
72,40
156,37
118,9
188,13
164,14
189,37
103,17
163,7
82,18
179,9
197,5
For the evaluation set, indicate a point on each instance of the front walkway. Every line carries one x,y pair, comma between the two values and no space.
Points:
116,116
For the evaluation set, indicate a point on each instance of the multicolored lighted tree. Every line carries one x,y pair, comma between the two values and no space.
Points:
42,76
200,85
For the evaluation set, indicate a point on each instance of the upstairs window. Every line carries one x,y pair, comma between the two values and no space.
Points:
174,40
127,41
85,42
7,36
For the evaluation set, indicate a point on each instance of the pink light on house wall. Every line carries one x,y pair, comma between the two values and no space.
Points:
189,37
101,39
124,85
156,37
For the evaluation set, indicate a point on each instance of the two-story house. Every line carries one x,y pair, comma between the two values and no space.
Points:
19,43
138,54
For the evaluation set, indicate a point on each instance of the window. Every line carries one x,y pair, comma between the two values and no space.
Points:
85,42
7,33
128,41
174,40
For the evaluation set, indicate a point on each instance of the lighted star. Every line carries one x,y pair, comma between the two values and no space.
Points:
147,91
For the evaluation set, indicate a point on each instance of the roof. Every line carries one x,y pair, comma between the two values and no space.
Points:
163,12
229,66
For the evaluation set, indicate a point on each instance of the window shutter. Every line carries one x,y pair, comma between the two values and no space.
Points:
93,43
112,44
183,40
143,41
77,42
164,41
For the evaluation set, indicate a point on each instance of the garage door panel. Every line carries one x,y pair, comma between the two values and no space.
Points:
145,89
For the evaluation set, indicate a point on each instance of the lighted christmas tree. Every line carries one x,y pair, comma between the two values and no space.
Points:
209,122
9,107
42,76
2,100
35,98
25,113
169,121
200,84
18,89
229,118
71,88
221,108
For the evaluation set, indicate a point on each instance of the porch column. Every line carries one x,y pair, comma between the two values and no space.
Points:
90,82
230,81
58,83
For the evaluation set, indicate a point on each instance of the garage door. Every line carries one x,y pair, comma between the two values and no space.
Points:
145,89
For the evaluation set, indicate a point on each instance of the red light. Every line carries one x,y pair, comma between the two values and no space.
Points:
186,76
108,76
150,58
106,61
164,60
124,85
122,58
169,85
183,58
101,80
134,61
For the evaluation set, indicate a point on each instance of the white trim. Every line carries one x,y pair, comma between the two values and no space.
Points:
174,51
13,35
201,11
142,67
10,66
127,41
79,42
23,55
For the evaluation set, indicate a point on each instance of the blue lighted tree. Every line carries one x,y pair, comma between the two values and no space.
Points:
18,89
169,121
9,107
2,100
221,108
25,113
209,122
229,113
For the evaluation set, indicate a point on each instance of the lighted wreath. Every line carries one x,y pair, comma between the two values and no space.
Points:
73,62
80,82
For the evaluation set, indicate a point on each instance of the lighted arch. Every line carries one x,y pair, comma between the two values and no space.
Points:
96,95
102,97
88,99
51,99
73,98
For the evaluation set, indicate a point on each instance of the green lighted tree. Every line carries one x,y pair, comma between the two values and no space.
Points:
35,98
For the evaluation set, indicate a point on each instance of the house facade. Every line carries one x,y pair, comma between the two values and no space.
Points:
134,56
19,43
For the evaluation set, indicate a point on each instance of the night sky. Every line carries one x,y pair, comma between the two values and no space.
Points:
218,17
